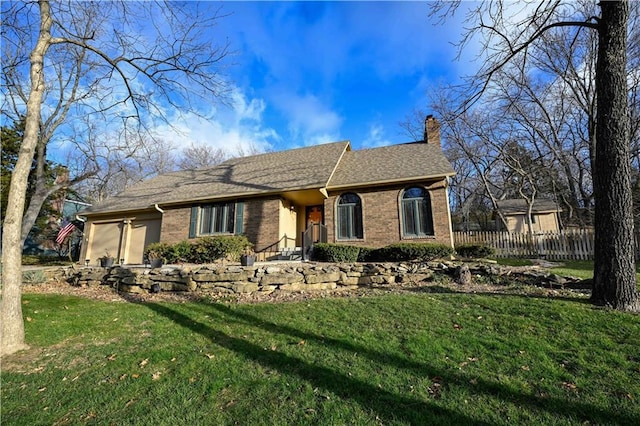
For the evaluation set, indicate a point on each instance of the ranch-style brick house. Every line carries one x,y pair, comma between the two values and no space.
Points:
281,200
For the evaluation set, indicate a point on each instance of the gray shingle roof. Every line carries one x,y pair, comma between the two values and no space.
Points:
331,165
519,206
411,161
275,172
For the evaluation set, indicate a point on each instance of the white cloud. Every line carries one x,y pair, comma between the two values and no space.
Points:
376,137
239,126
310,120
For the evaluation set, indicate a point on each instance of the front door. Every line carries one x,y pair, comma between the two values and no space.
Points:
315,216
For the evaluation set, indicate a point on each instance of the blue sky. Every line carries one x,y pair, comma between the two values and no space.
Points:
305,73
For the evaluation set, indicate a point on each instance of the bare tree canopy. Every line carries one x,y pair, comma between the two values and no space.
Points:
199,156
543,67
73,68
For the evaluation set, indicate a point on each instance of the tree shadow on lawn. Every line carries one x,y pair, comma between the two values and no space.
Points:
388,405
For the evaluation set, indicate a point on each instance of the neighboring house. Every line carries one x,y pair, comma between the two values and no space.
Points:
544,216
370,197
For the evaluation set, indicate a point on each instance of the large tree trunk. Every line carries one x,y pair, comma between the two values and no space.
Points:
12,327
614,282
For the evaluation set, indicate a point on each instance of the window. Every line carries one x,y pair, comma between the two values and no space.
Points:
417,220
216,219
349,217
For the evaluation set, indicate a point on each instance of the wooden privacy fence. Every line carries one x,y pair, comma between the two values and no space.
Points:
562,245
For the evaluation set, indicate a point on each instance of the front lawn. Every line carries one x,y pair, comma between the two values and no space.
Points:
426,358
581,269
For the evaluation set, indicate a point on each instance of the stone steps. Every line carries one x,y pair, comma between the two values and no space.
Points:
290,253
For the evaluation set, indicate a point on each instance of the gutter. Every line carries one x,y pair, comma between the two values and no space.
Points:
390,181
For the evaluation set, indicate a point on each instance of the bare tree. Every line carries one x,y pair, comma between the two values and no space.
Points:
119,161
503,41
125,64
199,156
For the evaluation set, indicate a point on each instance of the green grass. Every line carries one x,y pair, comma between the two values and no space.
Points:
512,261
575,268
41,260
395,359
581,269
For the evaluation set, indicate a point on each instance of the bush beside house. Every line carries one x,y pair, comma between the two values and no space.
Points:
325,252
203,250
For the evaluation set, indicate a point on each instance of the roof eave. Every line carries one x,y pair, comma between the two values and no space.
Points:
346,148
118,211
390,181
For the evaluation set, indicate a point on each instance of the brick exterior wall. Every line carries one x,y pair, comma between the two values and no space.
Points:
261,217
175,224
380,216
260,223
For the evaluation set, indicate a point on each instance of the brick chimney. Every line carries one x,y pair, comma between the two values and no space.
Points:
432,130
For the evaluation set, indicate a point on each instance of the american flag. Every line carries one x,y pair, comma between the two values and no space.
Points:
64,232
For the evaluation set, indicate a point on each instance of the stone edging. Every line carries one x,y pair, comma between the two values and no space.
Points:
297,277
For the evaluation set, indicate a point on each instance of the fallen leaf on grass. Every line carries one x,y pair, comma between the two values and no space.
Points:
210,356
525,368
457,326
435,390
29,319
301,343
112,357
192,379
129,402
570,386
135,376
42,389
124,376
156,375
144,362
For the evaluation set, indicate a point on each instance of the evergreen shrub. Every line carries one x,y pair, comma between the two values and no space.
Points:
475,250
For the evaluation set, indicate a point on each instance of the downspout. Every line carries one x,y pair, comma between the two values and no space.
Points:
157,207
446,192
84,240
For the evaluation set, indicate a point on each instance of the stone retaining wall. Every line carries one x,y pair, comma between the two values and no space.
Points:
287,277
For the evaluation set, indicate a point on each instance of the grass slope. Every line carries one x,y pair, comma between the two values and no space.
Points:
398,359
